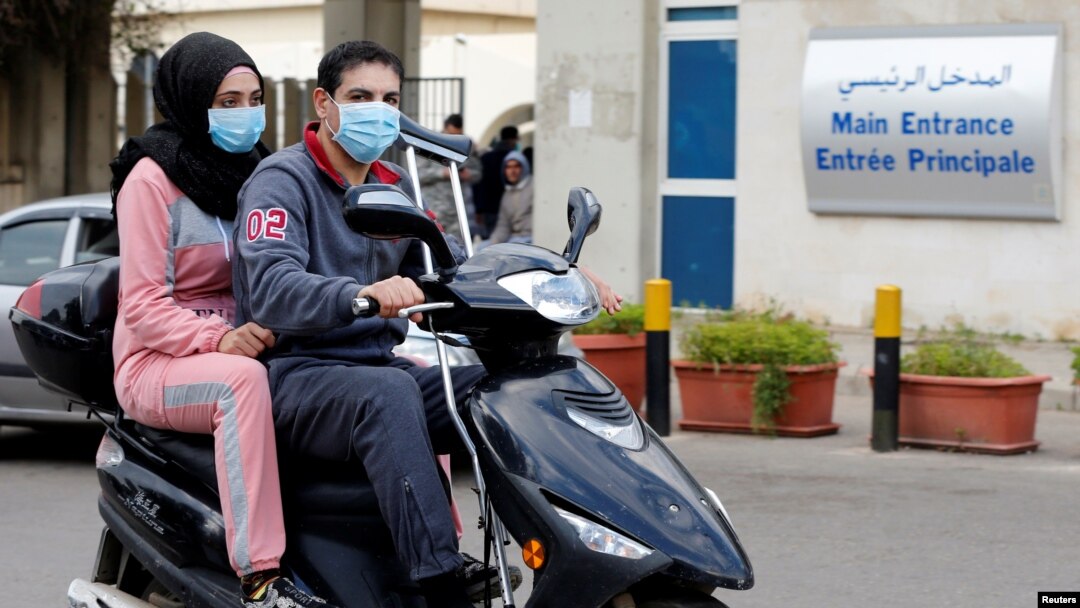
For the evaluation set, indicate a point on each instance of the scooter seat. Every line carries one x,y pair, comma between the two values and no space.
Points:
193,452
314,486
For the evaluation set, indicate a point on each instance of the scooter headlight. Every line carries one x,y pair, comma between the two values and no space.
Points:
570,298
604,540
109,453
628,436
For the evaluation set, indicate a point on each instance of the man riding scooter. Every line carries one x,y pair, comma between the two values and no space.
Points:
338,391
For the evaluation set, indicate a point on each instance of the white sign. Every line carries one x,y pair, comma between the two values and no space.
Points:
581,108
934,121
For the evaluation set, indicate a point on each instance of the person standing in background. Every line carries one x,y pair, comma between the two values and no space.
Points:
438,192
489,190
515,210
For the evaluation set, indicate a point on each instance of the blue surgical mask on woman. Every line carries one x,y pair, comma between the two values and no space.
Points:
237,130
366,129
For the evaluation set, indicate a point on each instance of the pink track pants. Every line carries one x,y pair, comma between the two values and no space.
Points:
227,396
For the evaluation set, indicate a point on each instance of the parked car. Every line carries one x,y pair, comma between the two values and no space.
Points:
35,239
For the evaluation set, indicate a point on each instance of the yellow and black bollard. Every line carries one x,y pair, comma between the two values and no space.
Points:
658,355
885,426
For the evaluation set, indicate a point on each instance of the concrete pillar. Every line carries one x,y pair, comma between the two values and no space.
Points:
92,129
270,99
394,24
11,166
44,113
596,62
648,236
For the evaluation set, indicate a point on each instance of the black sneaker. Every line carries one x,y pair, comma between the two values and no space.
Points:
477,577
282,593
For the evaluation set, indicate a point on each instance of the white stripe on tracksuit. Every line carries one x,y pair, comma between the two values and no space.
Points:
202,393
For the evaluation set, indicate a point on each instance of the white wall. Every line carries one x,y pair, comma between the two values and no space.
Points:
997,275
283,37
499,72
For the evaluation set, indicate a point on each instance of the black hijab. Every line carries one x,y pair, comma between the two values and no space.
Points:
187,78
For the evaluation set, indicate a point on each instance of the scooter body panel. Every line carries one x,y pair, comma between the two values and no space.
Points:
176,537
167,508
573,576
337,543
520,417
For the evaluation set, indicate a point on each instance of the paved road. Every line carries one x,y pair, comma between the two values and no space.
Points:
827,522
49,526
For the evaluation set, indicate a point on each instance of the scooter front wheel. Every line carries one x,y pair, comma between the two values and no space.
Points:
678,598
683,603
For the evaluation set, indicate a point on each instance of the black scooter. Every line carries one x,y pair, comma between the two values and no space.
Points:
605,514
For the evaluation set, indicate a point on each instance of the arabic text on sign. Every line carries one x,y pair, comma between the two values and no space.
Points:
939,80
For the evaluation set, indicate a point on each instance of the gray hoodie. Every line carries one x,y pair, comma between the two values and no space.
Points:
515,210
299,265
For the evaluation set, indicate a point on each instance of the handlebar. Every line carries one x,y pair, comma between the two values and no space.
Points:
369,307
365,307
404,313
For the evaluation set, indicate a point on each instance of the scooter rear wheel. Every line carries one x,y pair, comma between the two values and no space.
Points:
158,595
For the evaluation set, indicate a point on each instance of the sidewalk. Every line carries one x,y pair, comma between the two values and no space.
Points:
857,350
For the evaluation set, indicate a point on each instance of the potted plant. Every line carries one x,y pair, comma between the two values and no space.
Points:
615,345
758,372
958,391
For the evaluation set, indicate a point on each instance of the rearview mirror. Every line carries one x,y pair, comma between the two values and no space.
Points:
382,211
583,214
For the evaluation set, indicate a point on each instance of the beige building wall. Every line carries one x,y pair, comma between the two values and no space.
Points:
997,275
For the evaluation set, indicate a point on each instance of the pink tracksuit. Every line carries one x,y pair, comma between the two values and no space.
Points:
176,303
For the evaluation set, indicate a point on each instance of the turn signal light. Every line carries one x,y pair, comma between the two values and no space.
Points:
533,554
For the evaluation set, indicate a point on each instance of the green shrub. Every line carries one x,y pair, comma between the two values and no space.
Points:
961,353
769,339
758,338
630,321
1076,362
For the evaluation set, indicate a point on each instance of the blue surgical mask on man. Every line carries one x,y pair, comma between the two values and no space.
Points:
366,129
237,130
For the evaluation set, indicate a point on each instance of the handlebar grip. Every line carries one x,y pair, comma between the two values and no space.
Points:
365,307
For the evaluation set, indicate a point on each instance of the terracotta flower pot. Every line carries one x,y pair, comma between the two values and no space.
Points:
621,358
721,398
988,415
